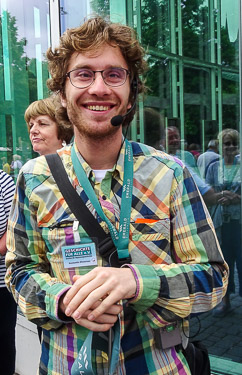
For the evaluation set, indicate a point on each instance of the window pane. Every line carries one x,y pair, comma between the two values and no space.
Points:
23,72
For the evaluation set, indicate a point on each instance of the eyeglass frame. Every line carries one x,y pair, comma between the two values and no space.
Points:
94,77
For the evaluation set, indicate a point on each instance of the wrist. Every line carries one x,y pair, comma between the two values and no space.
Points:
135,291
61,309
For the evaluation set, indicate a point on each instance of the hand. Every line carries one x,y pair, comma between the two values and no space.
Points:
106,285
104,322
225,198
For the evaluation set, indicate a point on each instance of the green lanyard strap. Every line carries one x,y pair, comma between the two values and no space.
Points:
83,362
121,238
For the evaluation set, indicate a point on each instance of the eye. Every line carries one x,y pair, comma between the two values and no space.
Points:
114,74
82,74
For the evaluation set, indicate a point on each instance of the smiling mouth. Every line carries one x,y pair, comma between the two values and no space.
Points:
98,107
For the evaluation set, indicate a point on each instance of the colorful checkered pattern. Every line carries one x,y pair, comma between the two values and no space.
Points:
176,258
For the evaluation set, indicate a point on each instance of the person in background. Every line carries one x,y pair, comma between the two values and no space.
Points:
8,310
5,166
15,166
47,132
172,142
224,176
168,260
194,149
208,157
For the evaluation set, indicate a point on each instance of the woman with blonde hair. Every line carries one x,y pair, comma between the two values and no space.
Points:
224,177
48,125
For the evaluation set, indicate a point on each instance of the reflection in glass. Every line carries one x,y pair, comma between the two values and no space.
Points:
224,176
23,72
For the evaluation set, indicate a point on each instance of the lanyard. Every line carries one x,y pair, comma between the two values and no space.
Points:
83,362
121,238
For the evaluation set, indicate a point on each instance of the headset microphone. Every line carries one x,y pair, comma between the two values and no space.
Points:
118,120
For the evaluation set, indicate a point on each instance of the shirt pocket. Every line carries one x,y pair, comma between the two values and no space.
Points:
150,240
55,238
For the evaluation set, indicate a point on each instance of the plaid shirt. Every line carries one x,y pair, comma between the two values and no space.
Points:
176,259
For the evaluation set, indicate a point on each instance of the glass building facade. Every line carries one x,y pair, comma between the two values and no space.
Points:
193,104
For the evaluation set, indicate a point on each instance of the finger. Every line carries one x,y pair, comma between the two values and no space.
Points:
78,283
106,305
104,318
76,277
91,297
94,326
86,296
113,310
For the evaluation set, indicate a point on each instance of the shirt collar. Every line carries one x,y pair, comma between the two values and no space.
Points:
118,168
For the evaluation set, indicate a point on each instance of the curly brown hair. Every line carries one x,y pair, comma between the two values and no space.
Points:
51,107
87,39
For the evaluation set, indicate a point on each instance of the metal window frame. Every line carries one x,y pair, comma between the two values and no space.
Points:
55,29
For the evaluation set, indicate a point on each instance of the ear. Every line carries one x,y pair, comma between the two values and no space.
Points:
129,105
63,100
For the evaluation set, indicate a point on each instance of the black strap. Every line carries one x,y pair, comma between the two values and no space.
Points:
74,201
106,247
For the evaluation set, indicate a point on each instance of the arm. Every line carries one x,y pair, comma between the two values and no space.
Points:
28,270
29,274
3,247
7,188
196,279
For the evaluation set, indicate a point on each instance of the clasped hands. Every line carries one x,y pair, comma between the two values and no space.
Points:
228,197
93,299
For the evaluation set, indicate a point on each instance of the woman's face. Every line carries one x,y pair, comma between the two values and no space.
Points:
43,135
230,146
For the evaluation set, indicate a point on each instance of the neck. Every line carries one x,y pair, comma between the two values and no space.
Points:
99,154
228,160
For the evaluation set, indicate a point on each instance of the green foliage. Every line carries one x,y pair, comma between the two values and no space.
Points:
100,7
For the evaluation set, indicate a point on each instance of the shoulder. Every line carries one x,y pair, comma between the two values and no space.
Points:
148,153
39,166
6,179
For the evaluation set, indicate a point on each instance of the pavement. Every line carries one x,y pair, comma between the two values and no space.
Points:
222,337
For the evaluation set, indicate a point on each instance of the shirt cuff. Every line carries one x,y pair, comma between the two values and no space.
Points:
148,286
52,298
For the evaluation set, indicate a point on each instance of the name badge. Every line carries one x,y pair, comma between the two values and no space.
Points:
79,255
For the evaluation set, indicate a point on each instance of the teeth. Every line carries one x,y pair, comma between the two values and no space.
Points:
98,107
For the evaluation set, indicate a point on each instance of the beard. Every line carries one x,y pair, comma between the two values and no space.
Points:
86,130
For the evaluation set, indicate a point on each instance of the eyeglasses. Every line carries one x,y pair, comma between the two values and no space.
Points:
230,144
82,78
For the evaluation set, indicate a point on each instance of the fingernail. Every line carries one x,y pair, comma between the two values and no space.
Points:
90,317
76,315
68,311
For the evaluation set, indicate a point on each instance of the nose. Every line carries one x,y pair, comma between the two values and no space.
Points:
98,87
34,128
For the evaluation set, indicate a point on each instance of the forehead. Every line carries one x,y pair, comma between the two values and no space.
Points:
40,118
107,56
173,132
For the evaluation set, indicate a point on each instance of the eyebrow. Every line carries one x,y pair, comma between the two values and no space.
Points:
86,66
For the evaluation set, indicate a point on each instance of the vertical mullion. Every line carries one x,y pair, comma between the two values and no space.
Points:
173,61
54,23
181,74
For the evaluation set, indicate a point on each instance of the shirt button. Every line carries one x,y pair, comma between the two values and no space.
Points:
104,197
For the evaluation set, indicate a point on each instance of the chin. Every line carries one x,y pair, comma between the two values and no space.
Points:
38,151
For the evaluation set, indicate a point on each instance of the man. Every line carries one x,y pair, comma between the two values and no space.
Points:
208,157
173,139
174,266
